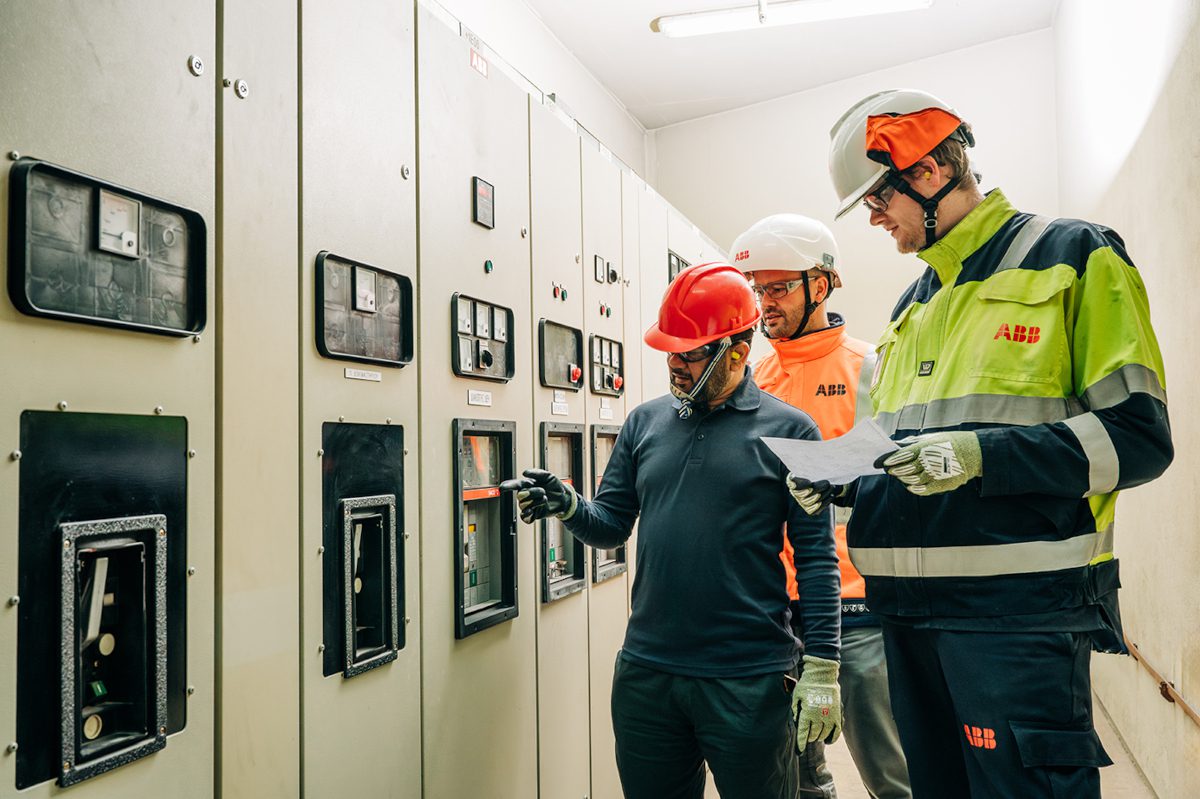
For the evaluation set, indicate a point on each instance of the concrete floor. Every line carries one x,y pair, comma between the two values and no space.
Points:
1122,780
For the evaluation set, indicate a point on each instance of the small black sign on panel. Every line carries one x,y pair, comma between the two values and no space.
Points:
363,313
483,203
560,356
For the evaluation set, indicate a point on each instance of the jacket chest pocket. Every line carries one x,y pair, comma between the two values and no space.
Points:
888,355
1017,328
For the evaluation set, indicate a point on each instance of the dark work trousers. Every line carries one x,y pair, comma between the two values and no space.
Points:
1004,715
667,726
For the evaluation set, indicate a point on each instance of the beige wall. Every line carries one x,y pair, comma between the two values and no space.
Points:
726,171
514,31
1130,158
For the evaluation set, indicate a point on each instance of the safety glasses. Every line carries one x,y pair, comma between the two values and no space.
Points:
877,200
776,291
698,354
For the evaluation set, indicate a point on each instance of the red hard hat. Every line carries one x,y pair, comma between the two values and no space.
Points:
704,303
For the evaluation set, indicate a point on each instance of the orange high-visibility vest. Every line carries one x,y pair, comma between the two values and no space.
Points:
822,374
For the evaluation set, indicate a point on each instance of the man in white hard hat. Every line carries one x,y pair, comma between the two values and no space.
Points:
1022,379
793,267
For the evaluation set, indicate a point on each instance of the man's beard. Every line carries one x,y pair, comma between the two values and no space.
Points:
717,382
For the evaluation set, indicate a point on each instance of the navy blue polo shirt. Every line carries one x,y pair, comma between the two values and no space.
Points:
710,594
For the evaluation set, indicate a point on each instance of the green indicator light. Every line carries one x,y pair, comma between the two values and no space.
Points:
552,553
474,579
488,266
98,689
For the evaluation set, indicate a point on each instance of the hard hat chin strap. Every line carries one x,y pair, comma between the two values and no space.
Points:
688,399
928,204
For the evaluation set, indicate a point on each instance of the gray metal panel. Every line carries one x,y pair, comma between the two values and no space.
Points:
608,601
562,639
258,749
479,693
358,137
105,89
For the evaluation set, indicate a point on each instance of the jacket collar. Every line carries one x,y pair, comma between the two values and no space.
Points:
811,346
972,232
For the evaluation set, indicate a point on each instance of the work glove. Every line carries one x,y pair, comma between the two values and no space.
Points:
540,494
935,463
817,702
813,497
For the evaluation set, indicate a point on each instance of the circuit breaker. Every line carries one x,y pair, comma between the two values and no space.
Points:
101,574
362,546
85,250
607,364
606,563
364,313
485,525
482,339
563,570
560,363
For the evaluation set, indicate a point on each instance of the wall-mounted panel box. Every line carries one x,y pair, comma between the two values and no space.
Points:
560,352
482,339
363,566
607,366
675,265
363,313
483,203
563,571
84,250
485,525
102,571
606,563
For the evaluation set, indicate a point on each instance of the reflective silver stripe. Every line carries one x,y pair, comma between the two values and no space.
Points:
1118,386
862,400
991,560
1104,467
979,409
841,515
1023,242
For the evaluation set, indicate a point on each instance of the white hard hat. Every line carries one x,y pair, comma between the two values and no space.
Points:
852,171
787,242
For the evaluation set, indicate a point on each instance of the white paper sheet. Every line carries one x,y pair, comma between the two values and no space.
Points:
838,460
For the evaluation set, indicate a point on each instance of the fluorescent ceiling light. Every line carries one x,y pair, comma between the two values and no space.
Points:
770,15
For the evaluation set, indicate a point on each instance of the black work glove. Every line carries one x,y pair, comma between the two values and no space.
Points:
813,497
540,494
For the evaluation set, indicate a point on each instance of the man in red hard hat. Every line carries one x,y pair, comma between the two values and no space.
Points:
709,668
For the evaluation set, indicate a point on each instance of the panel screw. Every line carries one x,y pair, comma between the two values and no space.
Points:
321,550
226,83
321,648
191,690
162,533
341,418
407,620
388,420
524,231
66,544
191,571
407,536
158,409
405,172
162,730
578,257
14,600
62,405
195,65
14,155
241,88
66,765
191,453
12,747
196,339
15,455
320,453
406,451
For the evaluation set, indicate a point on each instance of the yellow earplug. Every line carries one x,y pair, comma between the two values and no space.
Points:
928,175
735,356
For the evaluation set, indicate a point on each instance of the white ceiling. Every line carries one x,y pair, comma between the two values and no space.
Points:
663,81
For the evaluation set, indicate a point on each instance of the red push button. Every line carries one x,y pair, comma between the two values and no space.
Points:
618,381
576,373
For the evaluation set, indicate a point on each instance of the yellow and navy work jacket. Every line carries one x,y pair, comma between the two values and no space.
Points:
1035,334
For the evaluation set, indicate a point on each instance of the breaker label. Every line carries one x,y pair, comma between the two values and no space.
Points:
560,409
482,398
479,63
606,413
364,374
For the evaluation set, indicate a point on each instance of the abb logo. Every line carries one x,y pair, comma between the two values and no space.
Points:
831,390
980,737
741,256
1019,334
